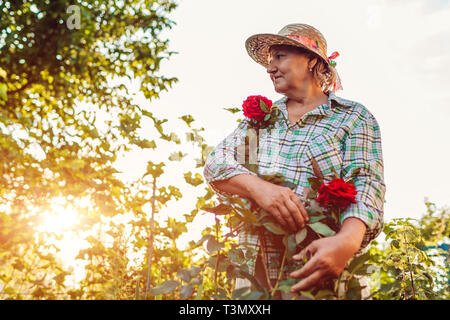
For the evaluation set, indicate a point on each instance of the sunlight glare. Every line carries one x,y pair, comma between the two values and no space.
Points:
59,218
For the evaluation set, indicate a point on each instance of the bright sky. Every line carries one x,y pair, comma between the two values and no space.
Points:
393,59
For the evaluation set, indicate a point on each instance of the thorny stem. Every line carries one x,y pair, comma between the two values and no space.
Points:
280,273
410,271
405,293
218,252
264,260
229,234
336,288
150,240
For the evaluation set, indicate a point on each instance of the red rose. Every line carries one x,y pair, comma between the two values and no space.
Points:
336,194
252,107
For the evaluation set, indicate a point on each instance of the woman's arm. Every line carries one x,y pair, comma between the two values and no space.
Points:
362,221
363,150
222,163
281,202
228,176
328,256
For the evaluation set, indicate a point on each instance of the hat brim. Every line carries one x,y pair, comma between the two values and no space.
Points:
258,46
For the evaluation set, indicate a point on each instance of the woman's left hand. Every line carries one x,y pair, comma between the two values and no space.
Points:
328,256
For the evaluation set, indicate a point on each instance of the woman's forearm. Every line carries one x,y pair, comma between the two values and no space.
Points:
352,232
243,185
284,205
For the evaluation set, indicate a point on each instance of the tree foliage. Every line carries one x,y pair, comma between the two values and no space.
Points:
69,75
66,111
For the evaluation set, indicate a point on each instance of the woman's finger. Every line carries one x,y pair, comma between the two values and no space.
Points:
287,217
298,202
307,252
279,217
310,267
307,282
295,213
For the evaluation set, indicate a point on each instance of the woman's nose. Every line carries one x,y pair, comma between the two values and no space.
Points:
271,68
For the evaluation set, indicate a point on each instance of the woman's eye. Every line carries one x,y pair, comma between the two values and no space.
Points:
280,55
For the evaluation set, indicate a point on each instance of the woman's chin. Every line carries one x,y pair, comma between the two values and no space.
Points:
279,89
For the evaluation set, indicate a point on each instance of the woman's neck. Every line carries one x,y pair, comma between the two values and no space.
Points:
307,97
303,101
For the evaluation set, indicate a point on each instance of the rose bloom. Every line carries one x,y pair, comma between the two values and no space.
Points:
336,194
252,109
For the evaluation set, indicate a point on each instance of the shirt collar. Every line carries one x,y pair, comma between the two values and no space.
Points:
323,109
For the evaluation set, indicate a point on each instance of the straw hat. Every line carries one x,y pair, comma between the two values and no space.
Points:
297,35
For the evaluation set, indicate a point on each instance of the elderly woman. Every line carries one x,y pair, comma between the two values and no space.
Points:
340,134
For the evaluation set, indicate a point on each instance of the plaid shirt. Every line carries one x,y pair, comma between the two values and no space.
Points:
342,135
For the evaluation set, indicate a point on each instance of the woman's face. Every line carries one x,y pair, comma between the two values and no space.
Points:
288,69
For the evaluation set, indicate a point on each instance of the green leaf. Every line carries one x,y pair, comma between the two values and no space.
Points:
316,169
203,239
232,110
3,90
314,219
253,167
267,117
321,229
254,295
247,215
194,271
2,74
213,245
315,208
289,184
221,209
188,119
239,292
285,285
272,227
177,156
274,178
197,281
324,294
358,262
194,181
60,277
395,243
301,235
315,183
186,291
184,275
336,175
145,144
290,244
236,256
307,294
355,172
165,287
171,137
263,106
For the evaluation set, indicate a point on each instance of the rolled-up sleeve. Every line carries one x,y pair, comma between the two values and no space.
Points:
223,163
363,150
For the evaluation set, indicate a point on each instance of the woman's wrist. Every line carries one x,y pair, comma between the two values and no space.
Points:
352,234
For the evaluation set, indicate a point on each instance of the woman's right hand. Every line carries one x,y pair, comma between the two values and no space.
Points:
284,204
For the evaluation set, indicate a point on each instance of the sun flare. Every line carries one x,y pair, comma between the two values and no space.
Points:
59,218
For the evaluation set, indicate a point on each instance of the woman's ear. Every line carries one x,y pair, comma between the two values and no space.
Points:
312,62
